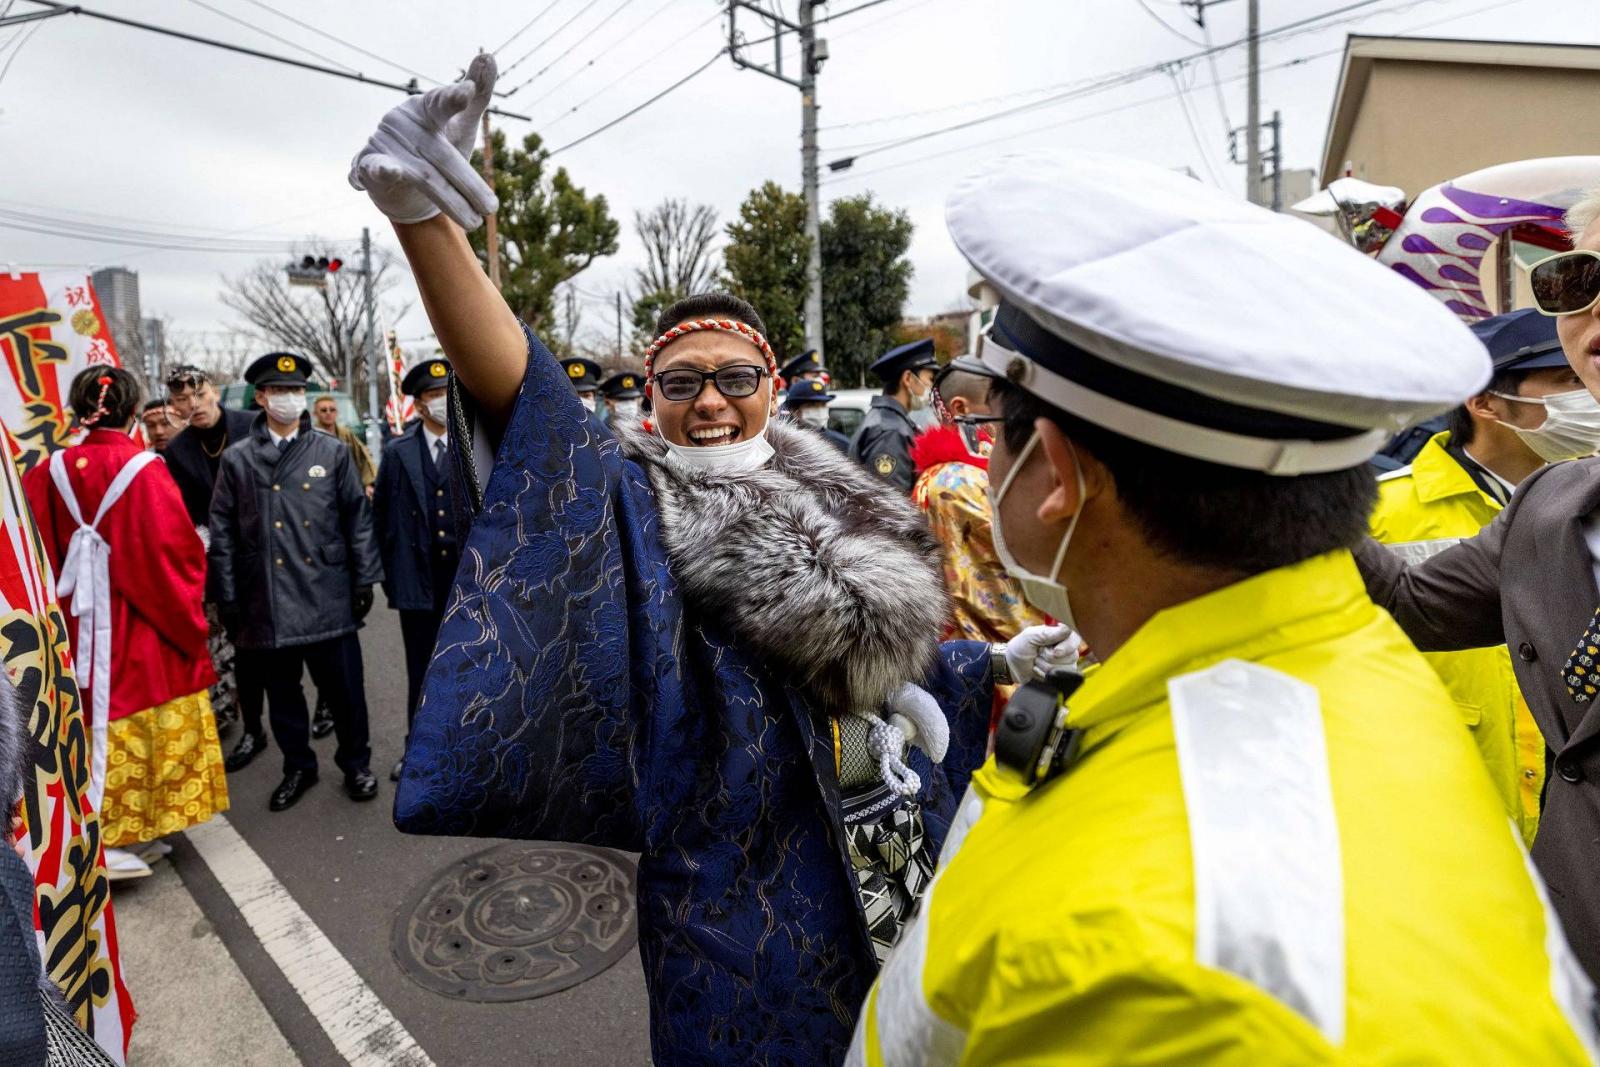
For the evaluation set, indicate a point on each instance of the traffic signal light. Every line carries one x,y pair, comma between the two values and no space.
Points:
313,270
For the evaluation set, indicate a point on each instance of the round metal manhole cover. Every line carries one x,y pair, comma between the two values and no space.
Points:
518,921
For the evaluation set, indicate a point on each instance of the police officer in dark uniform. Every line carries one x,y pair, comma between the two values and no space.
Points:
623,392
805,367
882,443
806,404
292,564
584,374
415,518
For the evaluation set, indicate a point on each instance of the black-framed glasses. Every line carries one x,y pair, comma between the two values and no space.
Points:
972,427
685,383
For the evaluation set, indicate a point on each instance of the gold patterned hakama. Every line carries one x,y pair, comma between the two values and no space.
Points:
163,772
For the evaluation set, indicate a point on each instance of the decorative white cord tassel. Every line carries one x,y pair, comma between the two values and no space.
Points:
886,742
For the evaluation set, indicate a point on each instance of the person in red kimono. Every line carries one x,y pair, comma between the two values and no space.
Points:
119,541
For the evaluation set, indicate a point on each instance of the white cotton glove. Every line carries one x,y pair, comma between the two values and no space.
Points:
921,719
416,164
1040,649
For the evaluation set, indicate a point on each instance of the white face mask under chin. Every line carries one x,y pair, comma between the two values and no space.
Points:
1043,592
747,455
1571,428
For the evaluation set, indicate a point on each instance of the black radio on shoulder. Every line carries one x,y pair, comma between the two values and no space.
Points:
1032,742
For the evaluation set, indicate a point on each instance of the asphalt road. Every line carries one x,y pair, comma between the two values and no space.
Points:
351,871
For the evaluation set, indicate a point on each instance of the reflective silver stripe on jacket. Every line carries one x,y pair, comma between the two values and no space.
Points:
1268,882
1569,985
1414,552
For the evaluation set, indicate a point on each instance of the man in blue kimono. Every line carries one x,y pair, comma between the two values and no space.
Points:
709,639
415,519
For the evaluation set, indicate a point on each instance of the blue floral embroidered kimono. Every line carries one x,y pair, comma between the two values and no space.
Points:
578,694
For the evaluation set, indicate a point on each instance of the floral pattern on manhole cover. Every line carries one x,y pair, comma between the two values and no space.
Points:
518,921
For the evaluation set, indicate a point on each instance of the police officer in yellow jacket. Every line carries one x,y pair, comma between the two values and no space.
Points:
1257,833
1452,489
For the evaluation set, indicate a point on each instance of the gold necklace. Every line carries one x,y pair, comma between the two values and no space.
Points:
220,447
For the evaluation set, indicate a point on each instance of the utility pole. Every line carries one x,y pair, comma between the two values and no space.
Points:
1252,118
808,174
813,53
372,341
1277,160
619,323
491,229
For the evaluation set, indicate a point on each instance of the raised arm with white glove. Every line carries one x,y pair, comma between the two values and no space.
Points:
416,168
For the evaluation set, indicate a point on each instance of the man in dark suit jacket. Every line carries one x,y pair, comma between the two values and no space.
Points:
1531,580
195,453
415,520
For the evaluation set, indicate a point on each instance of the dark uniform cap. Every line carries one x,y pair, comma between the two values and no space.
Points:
584,374
1521,340
970,364
624,385
279,368
429,374
810,391
807,362
896,361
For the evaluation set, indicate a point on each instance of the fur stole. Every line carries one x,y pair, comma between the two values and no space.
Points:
828,574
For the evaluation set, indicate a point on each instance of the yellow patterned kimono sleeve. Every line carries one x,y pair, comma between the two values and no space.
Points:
986,602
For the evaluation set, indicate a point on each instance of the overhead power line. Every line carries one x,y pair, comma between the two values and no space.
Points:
1110,82
1158,20
325,35
630,72
685,80
591,30
270,35
607,49
210,42
546,39
526,26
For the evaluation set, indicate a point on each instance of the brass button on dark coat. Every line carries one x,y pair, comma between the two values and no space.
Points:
1569,772
1527,653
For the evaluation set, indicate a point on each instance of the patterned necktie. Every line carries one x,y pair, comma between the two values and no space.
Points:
1579,671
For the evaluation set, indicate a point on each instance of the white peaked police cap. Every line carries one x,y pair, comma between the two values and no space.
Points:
1179,316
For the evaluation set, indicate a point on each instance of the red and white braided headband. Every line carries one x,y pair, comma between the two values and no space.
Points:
743,329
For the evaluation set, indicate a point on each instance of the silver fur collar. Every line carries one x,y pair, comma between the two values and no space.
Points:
829,574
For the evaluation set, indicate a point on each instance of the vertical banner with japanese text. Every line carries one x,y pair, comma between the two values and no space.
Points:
51,328
76,927
400,409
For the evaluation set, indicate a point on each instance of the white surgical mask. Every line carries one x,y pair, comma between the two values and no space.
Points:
747,455
438,408
1042,591
1571,427
626,409
587,400
920,401
286,407
814,417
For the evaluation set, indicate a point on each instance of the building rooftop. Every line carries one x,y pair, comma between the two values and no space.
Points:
1361,52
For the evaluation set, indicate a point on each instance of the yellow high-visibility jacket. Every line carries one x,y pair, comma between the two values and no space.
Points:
1277,846
1423,509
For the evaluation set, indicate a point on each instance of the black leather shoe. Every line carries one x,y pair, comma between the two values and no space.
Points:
361,785
291,789
249,747
322,721
399,765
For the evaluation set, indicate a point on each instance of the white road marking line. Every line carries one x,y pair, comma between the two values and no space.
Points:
346,1008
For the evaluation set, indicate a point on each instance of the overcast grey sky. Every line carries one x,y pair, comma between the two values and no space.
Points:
112,125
